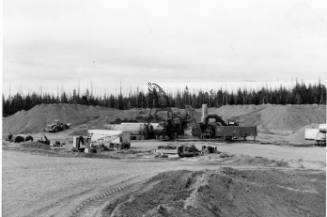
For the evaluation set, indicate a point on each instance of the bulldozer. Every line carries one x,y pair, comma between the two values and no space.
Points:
56,126
183,150
188,151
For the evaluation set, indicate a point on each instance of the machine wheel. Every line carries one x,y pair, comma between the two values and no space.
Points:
210,132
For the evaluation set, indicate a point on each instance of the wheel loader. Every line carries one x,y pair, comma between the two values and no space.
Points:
56,126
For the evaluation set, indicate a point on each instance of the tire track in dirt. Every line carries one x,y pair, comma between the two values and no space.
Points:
88,202
45,209
93,205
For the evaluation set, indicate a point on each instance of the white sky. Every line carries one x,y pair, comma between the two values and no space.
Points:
60,43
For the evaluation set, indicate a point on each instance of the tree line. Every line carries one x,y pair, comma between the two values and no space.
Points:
299,94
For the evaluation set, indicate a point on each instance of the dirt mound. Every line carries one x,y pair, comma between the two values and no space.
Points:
279,119
35,119
226,192
81,117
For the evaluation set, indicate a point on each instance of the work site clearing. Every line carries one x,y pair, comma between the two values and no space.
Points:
280,173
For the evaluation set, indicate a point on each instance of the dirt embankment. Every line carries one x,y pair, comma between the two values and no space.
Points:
226,192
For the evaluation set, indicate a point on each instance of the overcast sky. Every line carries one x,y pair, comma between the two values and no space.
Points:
58,44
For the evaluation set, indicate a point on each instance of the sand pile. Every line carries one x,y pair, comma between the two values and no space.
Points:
279,119
81,117
35,119
226,192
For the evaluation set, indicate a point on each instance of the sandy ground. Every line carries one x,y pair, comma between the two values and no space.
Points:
39,185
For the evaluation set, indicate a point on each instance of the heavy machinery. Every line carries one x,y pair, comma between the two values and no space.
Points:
170,124
161,122
29,138
184,150
56,126
80,143
159,97
9,137
212,126
188,151
44,140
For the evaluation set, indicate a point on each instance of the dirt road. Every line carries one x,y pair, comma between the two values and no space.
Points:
35,185
39,185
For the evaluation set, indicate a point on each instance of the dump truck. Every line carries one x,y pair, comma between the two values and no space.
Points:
212,126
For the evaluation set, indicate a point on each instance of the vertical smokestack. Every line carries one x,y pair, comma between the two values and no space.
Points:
204,112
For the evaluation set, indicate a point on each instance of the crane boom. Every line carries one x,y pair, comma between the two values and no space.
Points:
160,98
154,86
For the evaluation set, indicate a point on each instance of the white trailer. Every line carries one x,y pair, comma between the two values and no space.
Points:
317,134
109,138
137,131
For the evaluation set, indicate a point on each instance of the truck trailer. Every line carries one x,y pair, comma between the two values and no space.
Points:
212,126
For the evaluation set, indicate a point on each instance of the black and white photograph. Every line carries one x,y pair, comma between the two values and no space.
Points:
168,108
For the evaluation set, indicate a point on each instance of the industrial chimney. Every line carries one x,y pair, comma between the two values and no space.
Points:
204,112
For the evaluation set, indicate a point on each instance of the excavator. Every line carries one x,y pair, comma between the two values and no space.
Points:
213,126
44,140
170,125
207,128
